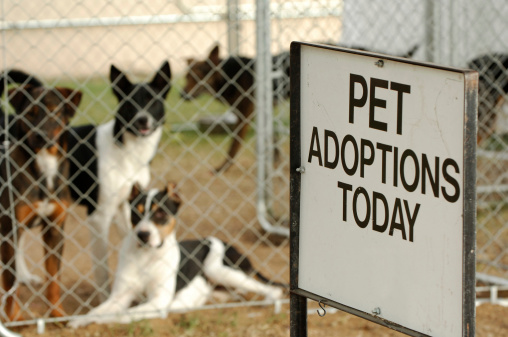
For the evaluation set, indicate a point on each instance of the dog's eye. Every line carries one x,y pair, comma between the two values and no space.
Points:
159,212
159,215
140,208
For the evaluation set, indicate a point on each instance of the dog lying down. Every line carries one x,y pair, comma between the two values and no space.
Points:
171,275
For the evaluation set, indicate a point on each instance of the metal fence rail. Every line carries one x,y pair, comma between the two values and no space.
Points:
74,44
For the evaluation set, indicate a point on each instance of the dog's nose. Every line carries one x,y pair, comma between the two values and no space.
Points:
143,236
142,121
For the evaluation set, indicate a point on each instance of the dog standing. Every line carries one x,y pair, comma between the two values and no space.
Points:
173,275
107,160
492,90
231,81
34,187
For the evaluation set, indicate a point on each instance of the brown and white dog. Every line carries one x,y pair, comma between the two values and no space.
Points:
231,81
173,275
34,191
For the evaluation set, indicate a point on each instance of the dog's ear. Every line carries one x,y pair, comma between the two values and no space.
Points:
171,189
73,98
162,80
214,55
19,96
119,82
173,197
135,192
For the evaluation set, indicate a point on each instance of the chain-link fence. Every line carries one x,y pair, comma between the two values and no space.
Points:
469,34
73,45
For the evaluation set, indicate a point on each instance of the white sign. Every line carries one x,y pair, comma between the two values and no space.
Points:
382,193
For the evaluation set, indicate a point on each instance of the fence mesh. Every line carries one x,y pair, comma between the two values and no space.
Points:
74,44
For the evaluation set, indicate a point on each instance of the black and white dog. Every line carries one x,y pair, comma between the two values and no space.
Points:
107,160
173,275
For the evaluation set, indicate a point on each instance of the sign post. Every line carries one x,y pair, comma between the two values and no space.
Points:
383,204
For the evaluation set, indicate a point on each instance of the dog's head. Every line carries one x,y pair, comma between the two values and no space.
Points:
153,214
42,114
202,76
141,105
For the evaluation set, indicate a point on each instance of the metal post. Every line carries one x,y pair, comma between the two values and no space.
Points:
4,156
264,115
428,24
233,27
298,304
298,316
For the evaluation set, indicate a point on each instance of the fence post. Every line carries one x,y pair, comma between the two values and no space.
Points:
264,114
233,27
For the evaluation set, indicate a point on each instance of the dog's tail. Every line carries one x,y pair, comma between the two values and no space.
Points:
14,76
234,259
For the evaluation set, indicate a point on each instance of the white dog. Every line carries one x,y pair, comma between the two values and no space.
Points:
106,160
173,275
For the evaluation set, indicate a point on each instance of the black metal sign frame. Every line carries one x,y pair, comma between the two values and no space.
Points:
298,300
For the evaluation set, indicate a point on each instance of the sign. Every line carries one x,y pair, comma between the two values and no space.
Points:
383,188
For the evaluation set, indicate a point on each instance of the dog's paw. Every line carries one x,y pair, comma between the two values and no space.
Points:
78,323
275,294
32,279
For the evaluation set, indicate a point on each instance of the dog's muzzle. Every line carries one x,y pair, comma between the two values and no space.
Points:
143,126
144,239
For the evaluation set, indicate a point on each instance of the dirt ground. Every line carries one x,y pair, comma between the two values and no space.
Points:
213,205
263,322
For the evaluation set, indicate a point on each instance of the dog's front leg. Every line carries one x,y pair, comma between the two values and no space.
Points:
22,271
107,312
123,218
245,111
7,249
156,307
100,222
53,237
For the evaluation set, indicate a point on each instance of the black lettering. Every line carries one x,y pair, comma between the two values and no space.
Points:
395,166
455,196
364,143
434,179
345,187
317,152
331,164
411,218
409,187
354,102
361,223
376,102
375,197
401,89
397,210
352,170
384,148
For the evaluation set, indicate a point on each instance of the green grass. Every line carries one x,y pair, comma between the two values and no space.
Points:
98,105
